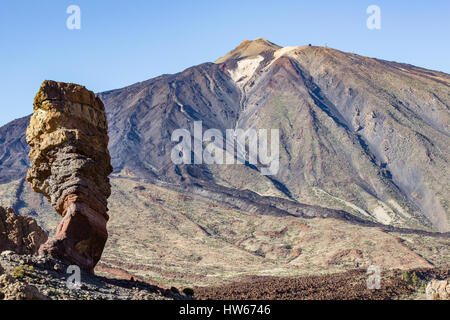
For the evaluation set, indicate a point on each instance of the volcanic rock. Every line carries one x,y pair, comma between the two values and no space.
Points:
438,290
11,289
70,164
360,138
362,135
28,277
19,234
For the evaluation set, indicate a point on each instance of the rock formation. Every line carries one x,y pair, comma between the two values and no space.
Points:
438,290
19,234
70,164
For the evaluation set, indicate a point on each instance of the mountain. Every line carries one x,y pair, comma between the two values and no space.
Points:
13,150
362,135
362,141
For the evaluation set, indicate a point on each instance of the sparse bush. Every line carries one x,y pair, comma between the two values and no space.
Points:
22,271
188,291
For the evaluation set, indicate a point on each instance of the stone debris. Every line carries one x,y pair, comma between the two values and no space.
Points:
20,234
24,277
438,290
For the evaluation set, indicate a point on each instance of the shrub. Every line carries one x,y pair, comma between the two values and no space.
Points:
188,291
414,279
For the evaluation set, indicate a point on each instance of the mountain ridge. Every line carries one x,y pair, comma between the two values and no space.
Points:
347,112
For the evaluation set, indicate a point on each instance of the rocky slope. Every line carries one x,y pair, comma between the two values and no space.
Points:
70,164
25,275
346,123
350,285
175,238
14,149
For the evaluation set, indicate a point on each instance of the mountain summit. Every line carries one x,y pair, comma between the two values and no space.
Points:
249,48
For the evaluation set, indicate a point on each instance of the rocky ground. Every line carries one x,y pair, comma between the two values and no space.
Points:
31,277
362,180
350,285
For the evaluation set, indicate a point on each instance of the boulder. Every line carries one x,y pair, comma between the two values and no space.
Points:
70,164
11,289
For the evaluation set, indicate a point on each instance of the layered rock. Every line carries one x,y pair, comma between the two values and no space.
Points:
70,164
19,234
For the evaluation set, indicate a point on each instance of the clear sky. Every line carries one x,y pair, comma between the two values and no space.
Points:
122,42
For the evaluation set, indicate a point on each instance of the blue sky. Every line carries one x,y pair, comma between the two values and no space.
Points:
123,42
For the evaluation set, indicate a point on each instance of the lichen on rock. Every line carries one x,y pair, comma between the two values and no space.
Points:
70,164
